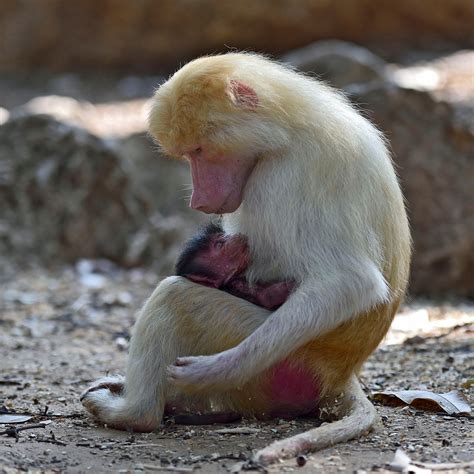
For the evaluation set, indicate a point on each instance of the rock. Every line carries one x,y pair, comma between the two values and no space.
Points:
66,194
164,182
150,35
338,62
433,144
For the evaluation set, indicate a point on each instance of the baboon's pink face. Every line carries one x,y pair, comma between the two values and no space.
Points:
203,119
218,180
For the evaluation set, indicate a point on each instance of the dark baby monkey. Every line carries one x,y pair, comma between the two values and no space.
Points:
214,259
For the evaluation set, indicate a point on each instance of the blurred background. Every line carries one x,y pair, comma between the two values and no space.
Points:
79,178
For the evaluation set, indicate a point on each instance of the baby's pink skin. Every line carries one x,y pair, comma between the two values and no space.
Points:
227,256
270,296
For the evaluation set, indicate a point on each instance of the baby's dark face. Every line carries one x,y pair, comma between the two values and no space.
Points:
226,256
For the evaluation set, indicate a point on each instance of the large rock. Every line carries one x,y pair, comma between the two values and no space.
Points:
433,147
165,183
147,34
63,192
66,194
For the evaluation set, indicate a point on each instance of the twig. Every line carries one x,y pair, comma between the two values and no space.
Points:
59,415
238,430
151,467
44,414
13,430
445,466
52,441
233,457
118,445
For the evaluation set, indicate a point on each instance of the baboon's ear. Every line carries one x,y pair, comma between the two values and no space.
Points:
242,95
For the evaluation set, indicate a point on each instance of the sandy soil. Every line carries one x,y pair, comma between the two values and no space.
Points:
59,330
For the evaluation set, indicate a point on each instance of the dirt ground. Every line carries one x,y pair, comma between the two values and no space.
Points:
59,330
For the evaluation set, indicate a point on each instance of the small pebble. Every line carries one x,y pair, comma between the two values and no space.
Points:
301,460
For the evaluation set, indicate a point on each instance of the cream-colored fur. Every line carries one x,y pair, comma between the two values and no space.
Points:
322,206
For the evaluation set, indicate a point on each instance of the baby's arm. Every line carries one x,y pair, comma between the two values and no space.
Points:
270,296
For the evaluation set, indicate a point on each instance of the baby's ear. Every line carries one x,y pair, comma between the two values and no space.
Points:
242,95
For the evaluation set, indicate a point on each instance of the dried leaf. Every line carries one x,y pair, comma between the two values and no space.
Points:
12,419
452,403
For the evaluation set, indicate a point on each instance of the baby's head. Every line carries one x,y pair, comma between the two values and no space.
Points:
213,258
